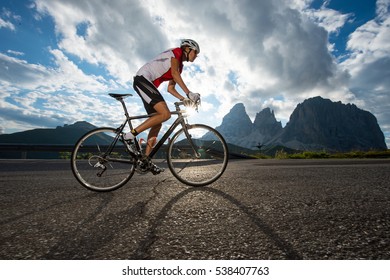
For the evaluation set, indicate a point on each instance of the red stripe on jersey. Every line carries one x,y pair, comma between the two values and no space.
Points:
167,76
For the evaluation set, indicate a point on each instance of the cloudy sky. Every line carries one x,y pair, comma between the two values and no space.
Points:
58,59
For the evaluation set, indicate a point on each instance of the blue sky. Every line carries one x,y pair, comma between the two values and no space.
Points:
58,59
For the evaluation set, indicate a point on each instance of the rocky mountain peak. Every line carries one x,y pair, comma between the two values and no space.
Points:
315,124
266,123
78,125
319,123
238,128
236,122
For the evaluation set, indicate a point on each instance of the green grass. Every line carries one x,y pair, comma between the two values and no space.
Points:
323,154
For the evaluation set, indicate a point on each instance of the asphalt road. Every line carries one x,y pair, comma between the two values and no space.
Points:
259,209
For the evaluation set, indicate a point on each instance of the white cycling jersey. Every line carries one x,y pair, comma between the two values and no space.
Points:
158,70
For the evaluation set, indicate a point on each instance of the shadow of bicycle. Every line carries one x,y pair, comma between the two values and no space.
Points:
143,250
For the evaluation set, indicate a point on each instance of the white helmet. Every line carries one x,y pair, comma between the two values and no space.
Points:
191,43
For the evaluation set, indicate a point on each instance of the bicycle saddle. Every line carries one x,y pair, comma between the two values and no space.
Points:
118,96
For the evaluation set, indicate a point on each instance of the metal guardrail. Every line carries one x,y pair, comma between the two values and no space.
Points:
38,147
24,149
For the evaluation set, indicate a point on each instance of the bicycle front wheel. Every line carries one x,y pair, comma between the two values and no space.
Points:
197,155
100,161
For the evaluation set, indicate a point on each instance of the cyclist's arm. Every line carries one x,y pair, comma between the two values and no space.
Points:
172,90
176,80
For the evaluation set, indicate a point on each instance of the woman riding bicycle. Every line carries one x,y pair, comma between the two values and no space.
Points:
167,66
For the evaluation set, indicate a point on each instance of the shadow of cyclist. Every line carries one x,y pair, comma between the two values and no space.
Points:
151,235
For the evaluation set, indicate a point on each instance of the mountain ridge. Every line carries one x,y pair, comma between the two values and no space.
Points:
66,135
315,124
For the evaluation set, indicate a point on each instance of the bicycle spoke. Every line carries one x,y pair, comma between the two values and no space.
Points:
200,159
98,165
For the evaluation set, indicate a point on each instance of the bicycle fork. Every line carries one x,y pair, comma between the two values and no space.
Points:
189,138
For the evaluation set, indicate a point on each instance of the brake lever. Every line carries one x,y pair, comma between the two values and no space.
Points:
197,104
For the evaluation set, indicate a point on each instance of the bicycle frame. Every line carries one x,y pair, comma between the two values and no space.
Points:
180,120
103,161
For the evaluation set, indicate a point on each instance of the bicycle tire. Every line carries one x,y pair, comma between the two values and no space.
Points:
98,170
202,162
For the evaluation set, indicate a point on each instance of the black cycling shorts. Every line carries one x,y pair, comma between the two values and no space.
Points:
148,92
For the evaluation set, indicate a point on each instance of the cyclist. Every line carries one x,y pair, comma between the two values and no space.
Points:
167,66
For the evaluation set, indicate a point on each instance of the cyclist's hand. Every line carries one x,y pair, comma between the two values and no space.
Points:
195,97
187,102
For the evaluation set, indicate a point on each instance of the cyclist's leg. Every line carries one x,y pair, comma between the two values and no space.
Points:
155,123
153,103
152,138
162,114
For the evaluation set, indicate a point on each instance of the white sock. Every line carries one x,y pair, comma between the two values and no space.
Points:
128,136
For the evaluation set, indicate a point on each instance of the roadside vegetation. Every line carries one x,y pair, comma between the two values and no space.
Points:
281,154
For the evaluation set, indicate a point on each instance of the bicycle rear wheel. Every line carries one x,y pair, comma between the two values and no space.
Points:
100,161
198,155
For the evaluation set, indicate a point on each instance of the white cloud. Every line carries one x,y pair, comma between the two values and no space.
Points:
272,49
45,96
329,19
67,76
369,65
120,35
15,53
6,24
267,45
6,19
382,8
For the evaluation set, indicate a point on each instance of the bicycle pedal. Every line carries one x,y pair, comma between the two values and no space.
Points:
141,170
142,167
156,171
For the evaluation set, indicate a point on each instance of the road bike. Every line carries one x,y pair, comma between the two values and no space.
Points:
196,154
